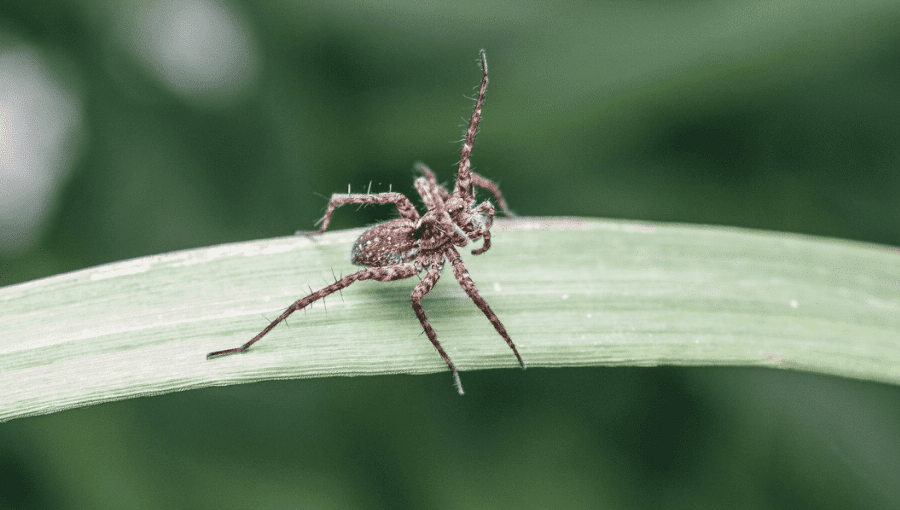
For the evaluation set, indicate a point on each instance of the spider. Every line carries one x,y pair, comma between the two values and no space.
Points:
411,244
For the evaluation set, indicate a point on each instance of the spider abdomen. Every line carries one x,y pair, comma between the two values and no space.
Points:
385,244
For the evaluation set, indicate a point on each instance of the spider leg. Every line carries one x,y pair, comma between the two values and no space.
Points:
487,244
422,288
404,206
435,197
382,274
463,186
486,210
432,182
438,209
487,184
435,225
430,195
465,281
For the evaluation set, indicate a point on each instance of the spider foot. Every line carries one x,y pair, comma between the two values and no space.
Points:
521,361
310,234
224,353
457,382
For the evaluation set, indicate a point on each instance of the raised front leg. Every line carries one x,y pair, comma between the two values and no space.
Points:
404,206
463,186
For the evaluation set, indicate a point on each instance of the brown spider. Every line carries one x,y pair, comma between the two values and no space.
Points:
410,244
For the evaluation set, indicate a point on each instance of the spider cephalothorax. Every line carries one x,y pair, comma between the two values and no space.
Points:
411,244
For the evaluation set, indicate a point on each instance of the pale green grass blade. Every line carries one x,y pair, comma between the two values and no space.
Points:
571,292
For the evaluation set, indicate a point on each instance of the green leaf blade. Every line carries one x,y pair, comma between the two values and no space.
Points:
571,292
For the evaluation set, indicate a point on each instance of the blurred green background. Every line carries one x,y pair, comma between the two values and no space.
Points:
130,128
